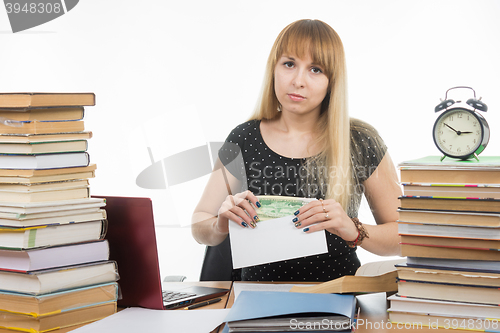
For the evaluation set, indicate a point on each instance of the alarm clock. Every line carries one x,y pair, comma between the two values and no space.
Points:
461,132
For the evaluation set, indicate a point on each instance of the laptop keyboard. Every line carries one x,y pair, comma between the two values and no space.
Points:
170,296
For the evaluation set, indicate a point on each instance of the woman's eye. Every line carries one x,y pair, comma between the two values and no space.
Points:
316,70
288,64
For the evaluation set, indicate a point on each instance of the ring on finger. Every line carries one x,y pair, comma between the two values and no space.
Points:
322,206
326,216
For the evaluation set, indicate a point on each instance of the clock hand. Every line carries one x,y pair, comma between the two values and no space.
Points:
454,130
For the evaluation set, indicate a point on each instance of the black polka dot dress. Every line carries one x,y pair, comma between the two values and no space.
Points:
268,173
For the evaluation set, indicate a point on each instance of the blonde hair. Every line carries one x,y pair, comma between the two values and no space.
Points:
332,167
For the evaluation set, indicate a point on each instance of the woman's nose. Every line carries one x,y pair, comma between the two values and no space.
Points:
299,78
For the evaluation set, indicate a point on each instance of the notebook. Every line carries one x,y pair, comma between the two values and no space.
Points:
132,242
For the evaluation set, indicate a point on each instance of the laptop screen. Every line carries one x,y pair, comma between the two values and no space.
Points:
132,242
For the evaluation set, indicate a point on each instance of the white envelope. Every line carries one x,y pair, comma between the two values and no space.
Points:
273,240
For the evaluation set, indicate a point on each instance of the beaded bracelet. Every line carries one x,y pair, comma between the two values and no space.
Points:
362,233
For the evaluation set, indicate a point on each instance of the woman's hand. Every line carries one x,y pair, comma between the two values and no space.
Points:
237,208
326,215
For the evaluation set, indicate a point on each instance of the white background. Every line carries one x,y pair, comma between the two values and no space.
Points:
173,75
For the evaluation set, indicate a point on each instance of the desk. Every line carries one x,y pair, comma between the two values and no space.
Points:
215,284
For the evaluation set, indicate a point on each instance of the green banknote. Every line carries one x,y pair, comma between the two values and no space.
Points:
275,206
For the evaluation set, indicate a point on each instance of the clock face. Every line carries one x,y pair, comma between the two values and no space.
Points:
458,133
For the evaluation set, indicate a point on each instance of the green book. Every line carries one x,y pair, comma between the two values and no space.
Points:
435,163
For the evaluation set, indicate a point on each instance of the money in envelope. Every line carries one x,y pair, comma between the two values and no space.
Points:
276,206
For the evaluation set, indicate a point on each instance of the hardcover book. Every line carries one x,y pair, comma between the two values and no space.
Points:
44,161
34,100
58,301
51,257
51,235
58,279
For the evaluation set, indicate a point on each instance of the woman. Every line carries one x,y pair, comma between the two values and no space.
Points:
301,142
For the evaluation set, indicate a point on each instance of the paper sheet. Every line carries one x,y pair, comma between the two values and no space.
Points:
273,240
135,320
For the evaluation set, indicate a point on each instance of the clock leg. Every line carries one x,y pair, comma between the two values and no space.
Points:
442,158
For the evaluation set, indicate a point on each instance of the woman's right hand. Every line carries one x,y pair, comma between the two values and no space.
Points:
238,208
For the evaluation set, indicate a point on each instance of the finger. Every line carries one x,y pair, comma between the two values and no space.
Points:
235,213
312,215
243,215
253,199
243,202
311,205
314,228
249,208
249,196
235,218
305,208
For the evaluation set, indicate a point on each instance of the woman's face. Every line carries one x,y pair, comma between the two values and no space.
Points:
299,84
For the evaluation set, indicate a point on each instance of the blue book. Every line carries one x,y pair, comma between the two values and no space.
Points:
269,311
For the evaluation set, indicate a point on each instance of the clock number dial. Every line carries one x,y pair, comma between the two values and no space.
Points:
458,133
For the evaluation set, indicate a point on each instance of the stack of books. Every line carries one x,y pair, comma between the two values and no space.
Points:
449,223
54,269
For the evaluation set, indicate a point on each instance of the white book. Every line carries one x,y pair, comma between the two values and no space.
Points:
50,206
51,235
43,147
442,307
40,196
51,280
40,187
44,161
64,217
418,229
58,256
454,264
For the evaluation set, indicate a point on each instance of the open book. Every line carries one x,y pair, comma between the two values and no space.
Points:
379,276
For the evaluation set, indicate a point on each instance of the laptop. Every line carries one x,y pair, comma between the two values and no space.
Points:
132,242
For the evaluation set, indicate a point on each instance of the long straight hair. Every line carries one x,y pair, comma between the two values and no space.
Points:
332,167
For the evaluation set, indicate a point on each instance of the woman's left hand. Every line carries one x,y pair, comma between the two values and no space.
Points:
326,215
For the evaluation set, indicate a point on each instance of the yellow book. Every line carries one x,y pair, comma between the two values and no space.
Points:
379,276
41,127
62,319
58,301
38,138
34,100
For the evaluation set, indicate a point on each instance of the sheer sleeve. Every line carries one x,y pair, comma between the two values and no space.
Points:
230,153
367,149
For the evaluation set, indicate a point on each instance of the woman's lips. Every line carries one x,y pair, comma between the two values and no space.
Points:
296,97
